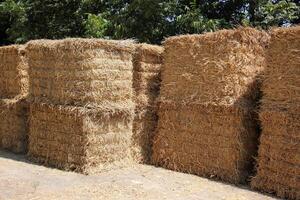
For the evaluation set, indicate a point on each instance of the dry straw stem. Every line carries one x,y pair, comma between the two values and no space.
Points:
14,71
279,151
80,139
13,124
146,83
81,72
207,114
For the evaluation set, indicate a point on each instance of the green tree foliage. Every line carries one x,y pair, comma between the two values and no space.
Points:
95,26
54,19
193,18
275,14
140,19
144,20
12,21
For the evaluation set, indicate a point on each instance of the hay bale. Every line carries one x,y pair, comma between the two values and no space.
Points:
279,151
14,71
146,83
81,72
13,125
207,120
215,68
79,139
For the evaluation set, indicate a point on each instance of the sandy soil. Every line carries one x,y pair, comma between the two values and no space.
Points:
20,179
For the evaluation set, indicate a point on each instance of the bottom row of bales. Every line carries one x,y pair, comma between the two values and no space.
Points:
83,113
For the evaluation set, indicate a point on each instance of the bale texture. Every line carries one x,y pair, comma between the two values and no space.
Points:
207,120
13,125
81,72
146,82
219,68
14,71
278,169
79,139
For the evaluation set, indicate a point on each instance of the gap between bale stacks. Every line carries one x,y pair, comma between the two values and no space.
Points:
207,113
14,71
87,84
146,83
278,169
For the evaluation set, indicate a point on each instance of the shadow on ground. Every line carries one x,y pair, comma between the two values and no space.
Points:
20,179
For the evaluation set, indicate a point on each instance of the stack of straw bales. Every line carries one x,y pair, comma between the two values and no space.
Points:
279,151
146,83
207,122
13,91
82,103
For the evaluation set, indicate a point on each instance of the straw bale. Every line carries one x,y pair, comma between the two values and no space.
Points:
80,139
279,154
146,83
210,141
279,150
13,124
207,115
81,72
219,68
14,71
281,77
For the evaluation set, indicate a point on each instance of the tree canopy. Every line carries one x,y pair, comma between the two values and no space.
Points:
144,20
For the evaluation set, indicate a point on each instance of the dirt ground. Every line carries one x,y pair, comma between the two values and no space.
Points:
20,179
